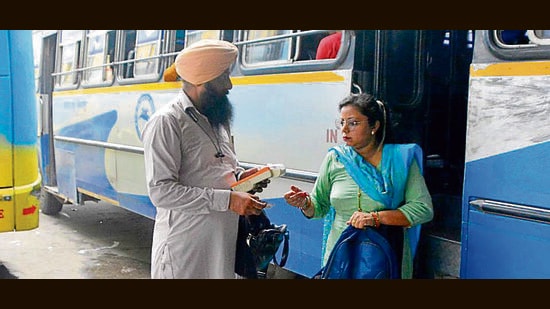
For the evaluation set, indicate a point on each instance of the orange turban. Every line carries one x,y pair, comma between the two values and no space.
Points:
170,74
205,60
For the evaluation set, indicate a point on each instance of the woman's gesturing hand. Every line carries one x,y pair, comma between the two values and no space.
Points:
296,197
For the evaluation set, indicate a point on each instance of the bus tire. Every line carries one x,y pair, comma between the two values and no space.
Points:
49,204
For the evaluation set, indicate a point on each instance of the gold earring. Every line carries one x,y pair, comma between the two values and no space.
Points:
372,132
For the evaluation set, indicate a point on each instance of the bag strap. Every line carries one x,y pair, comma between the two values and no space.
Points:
284,255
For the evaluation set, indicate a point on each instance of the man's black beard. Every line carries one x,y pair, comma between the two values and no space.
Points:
216,108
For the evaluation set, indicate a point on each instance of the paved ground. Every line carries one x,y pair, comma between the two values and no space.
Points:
93,241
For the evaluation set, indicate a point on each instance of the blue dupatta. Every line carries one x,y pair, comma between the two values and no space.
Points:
386,186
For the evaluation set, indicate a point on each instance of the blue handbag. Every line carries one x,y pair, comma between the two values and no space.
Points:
361,254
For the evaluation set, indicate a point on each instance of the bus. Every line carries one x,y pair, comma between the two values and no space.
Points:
506,195
20,179
474,100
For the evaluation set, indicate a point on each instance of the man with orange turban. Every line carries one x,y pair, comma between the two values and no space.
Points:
190,165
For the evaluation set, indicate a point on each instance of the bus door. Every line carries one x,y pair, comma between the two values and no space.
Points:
19,176
506,199
391,65
45,86
46,66
423,76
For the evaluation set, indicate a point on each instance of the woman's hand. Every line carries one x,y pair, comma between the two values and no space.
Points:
296,197
361,219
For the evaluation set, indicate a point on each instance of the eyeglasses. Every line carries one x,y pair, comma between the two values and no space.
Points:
352,123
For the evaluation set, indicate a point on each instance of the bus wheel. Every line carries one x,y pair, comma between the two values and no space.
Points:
49,204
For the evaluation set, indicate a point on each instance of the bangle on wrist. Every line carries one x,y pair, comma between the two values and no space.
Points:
375,219
306,204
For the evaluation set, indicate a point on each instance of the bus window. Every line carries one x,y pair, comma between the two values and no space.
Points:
94,56
512,37
277,50
180,40
328,46
69,48
147,48
192,36
128,52
308,44
109,57
268,51
540,37
98,56
506,44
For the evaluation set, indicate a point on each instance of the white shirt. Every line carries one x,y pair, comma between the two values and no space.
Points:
195,232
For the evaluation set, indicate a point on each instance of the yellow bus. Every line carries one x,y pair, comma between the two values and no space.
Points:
20,178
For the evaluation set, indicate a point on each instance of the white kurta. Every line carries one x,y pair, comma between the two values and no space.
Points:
195,232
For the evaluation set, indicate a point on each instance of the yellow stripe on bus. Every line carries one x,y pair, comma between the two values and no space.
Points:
6,167
289,78
530,68
126,88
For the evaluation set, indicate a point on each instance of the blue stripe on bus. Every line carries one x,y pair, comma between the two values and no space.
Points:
520,176
96,128
23,89
89,160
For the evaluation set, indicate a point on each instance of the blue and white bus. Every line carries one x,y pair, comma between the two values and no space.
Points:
473,100
506,199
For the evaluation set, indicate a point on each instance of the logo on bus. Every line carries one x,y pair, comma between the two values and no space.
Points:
144,109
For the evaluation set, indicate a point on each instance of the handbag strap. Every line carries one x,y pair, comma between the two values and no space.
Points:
284,255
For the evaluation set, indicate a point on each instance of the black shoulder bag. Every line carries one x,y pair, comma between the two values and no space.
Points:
258,241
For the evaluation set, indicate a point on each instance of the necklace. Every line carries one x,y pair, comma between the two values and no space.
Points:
359,199
216,143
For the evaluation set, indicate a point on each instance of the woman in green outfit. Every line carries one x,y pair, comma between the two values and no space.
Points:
366,182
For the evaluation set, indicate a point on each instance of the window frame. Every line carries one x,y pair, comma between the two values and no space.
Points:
292,64
192,36
68,40
105,59
530,51
128,41
535,36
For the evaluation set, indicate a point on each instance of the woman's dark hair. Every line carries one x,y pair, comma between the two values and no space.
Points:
375,110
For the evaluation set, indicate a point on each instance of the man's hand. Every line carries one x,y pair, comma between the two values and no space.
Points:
246,204
258,187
